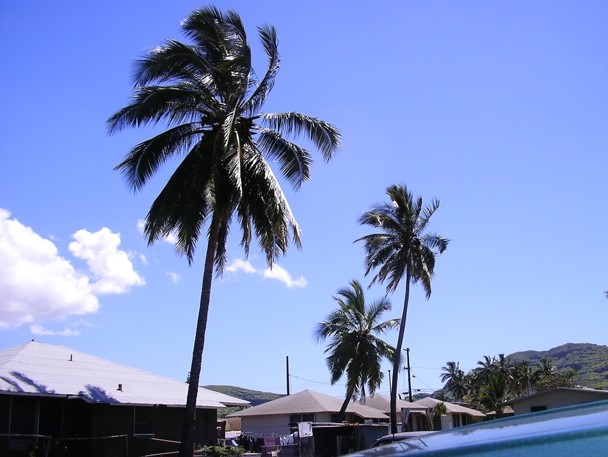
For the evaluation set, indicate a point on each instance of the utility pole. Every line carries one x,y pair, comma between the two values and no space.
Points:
287,372
409,376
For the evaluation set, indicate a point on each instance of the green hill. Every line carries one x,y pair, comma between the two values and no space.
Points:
589,361
256,397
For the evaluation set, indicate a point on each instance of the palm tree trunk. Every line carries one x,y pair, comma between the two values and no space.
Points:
397,358
186,448
342,413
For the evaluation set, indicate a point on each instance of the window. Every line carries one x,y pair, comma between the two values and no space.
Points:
144,420
535,409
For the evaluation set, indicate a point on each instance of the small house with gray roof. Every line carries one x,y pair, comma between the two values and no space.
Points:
69,403
454,415
282,416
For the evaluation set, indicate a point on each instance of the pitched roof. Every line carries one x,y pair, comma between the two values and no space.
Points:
53,370
383,403
450,407
599,393
308,401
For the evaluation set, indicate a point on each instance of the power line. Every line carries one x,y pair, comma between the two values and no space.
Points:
310,380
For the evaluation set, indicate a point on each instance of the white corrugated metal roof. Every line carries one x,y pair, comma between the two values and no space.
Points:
46,369
308,401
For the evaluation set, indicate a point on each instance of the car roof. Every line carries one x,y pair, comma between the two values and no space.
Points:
575,430
392,437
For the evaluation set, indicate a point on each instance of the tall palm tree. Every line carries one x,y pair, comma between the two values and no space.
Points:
399,249
454,380
355,347
207,94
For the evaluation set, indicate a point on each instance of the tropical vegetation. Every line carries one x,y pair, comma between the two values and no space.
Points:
355,346
496,380
206,93
401,248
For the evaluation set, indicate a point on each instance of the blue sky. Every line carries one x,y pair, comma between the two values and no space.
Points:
498,109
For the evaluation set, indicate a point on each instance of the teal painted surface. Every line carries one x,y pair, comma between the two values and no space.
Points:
579,431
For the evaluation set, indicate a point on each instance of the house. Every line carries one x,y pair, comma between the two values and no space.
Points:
281,416
415,417
71,403
454,415
556,398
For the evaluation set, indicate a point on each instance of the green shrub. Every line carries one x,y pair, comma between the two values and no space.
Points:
221,451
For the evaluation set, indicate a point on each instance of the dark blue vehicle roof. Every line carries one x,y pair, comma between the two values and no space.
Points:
578,431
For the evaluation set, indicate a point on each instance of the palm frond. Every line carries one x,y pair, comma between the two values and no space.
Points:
323,135
174,61
264,207
144,159
183,205
270,42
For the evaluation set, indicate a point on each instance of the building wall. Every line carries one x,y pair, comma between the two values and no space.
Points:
278,424
87,430
556,399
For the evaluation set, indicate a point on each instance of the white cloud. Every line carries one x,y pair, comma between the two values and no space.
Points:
37,284
280,274
40,330
277,273
111,267
241,265
174,277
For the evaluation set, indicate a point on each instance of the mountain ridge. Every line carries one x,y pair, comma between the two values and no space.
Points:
588,360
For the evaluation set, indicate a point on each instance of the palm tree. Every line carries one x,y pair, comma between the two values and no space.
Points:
355,348
207,94
401,248
454,380
523,378
545,367
505,368
485,368
493,393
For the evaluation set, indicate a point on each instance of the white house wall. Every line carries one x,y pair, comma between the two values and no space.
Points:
556,399
323,417
447,421
277,424
265,425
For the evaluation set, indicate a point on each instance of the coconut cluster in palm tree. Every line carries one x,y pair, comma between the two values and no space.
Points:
206,92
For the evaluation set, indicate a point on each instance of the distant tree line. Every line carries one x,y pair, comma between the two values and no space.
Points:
497,380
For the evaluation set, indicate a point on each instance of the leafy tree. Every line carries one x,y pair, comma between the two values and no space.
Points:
454,380
207,94
401,248
355,347
553,381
